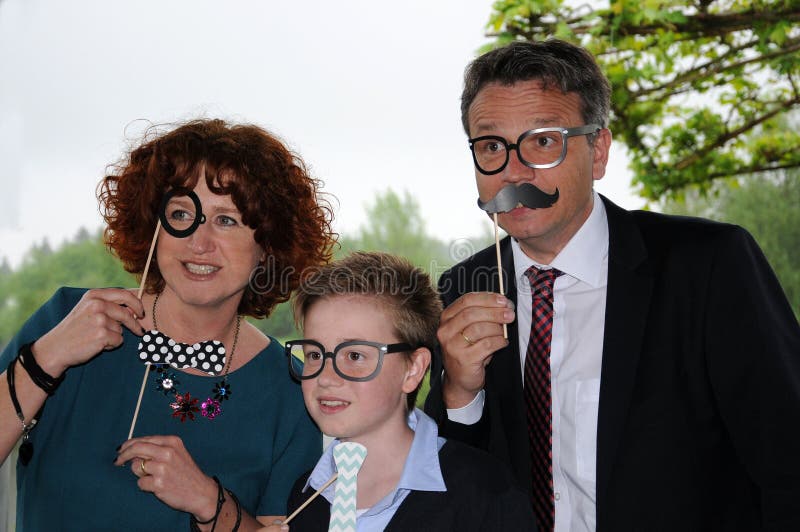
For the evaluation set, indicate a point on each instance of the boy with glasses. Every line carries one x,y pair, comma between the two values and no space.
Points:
370,321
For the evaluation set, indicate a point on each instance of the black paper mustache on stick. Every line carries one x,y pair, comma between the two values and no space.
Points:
506,200
511,195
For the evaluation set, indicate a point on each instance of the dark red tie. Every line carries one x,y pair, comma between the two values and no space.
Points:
538,399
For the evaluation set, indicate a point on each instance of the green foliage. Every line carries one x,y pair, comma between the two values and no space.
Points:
768,207
83,261
395,225
690,80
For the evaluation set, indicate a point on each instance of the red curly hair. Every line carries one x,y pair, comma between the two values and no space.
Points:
268,184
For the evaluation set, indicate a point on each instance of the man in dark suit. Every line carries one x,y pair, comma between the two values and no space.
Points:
651,375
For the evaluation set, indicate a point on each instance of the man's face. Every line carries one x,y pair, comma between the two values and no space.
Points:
508,111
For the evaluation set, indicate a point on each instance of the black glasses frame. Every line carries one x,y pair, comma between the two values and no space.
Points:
566,132
383,349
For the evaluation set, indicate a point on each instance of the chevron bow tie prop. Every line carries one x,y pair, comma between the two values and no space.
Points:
348,457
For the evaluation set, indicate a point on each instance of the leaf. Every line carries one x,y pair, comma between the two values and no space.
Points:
673,65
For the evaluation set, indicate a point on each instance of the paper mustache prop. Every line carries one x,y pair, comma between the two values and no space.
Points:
507,199
525,194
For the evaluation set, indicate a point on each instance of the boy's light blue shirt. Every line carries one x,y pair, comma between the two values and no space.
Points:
421,472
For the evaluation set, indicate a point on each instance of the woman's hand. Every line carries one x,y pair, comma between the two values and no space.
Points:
94,324
166,469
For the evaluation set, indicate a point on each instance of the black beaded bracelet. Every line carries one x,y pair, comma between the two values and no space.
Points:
39,376
193,522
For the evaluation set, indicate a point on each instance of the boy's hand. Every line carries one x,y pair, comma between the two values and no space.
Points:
276,526
470,332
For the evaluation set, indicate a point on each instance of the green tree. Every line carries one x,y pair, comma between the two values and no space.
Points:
394,224
769,208
692,81
84,261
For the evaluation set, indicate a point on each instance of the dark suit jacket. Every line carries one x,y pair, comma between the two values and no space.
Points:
699,414
480,497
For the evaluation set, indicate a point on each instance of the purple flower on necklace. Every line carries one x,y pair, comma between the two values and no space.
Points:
210,408
184,406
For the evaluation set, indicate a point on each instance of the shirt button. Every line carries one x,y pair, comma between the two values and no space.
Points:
558,496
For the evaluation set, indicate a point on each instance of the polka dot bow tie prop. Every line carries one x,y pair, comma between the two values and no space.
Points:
348,457
158,348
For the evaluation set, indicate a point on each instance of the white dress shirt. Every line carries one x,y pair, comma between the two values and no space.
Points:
579,301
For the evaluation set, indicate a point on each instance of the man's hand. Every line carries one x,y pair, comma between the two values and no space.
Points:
470,332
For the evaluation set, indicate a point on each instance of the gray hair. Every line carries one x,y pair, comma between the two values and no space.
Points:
556,64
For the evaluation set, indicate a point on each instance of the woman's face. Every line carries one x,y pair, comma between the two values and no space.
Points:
214,263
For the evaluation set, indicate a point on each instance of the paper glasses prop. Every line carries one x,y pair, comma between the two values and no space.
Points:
179,223
507,199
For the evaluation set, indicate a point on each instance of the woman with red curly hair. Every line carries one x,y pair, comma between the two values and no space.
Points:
221,430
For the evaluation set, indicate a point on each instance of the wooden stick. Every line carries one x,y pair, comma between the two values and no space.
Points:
139,402
139,295
314,496
149,257
499,268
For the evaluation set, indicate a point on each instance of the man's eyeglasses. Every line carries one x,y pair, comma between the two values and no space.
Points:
544,147
353,361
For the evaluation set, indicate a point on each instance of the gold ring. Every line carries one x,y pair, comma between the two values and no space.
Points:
141,466
467,338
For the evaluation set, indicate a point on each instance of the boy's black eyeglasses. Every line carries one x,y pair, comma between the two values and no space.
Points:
357,361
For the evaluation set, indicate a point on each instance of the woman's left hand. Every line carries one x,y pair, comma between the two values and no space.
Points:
166,469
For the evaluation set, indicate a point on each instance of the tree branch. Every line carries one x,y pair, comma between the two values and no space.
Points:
718,66
722,139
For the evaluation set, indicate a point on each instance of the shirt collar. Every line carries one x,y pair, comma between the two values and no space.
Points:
421,470
581,258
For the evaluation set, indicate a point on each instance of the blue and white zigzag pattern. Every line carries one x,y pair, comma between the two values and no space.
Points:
348,457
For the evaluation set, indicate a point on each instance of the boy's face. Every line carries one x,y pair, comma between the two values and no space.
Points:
360,411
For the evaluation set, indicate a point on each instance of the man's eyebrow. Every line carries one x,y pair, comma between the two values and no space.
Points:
482,127
548,121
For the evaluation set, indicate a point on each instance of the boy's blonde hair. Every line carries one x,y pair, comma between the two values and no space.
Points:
405,291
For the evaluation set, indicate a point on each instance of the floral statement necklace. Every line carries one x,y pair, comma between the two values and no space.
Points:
164,353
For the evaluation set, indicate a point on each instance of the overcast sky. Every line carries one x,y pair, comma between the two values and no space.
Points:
366,91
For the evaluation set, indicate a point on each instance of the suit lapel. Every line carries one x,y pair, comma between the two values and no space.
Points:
418,508
630,284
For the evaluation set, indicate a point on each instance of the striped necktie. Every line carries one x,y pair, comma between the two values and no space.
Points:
538,398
